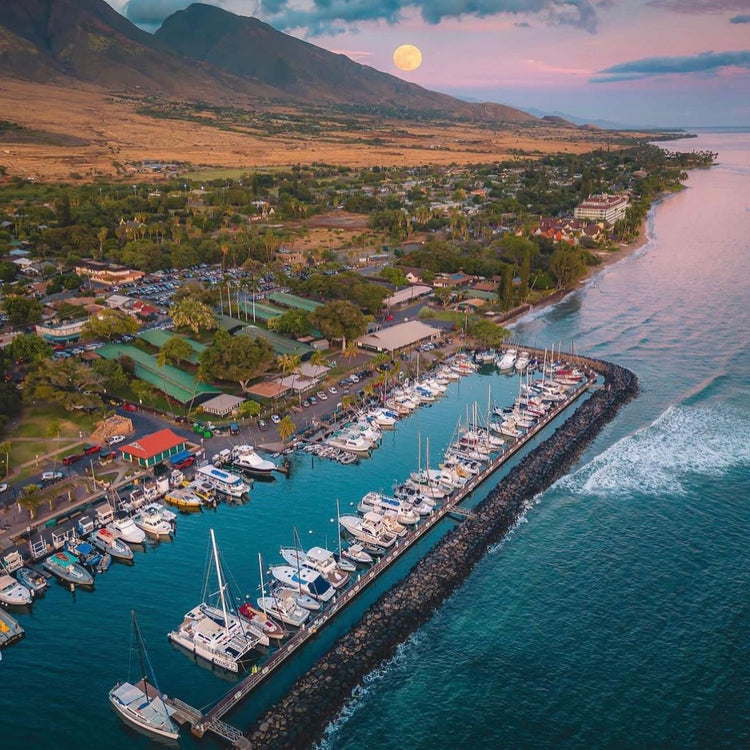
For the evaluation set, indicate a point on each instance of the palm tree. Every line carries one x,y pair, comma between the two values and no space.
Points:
289,365
287,428
30,499
53,430
351,351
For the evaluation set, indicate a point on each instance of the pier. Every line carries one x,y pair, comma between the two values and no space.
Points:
212,719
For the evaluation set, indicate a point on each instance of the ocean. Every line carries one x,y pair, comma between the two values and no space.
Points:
615,614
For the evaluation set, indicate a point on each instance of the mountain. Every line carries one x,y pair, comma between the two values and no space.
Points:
249,48
88,41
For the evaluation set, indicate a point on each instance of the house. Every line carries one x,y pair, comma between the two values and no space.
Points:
413,275
155,448
452,280
222,405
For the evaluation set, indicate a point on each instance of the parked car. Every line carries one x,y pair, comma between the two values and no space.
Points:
115,439
234,428
72,458
322,395
275,418
51,476
333,390
262,424
130,407
3,487
89,449
189,461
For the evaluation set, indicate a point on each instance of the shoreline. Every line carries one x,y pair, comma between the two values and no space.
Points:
609,258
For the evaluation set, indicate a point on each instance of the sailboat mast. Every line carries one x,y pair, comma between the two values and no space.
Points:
221,582
139,642
262,584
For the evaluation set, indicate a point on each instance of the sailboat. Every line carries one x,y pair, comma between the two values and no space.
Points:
216,633
142,704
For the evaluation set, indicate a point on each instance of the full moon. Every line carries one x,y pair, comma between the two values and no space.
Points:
407,57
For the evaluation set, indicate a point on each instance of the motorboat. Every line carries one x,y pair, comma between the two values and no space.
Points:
382,504
125,528
246,459
182,498
105,541
282,604
142,704
348,441
223,481
14,593
225,616
151,522
65,566
319,559
369,529
508,360
356,553
167,515
305,580
270,628
85,553
31,579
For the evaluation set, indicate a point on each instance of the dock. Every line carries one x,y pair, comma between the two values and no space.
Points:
212,719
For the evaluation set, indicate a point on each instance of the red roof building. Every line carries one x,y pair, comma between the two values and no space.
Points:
154,448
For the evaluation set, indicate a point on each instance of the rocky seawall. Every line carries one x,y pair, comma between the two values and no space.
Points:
298,720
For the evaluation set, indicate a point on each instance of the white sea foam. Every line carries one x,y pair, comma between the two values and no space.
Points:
662,458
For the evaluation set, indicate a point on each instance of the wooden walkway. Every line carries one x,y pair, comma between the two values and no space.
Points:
211,721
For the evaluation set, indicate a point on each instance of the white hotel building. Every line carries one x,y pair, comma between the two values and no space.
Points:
603,207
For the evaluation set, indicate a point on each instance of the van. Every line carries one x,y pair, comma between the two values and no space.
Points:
234,428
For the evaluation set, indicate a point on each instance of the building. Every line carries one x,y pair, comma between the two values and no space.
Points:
107,273
63,333
155,448
602,207
222,405
401,336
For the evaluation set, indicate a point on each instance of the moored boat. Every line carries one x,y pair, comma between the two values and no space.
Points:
270,628
32,580
14,593
320,560
369,529
183,499
356,553
66,567
125,528
142,704
306,580
106,541
152,523
282,604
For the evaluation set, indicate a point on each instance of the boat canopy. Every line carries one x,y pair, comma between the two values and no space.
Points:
181,456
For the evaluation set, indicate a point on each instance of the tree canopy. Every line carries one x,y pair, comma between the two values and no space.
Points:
339,320
109,325
238,358
193,314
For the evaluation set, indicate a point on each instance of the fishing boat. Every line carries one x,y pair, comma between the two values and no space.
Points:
106,541
221,641
151,522
357,553
31,579
65,566
141,704
10,629
369,529
125,528
85,552
247,460
14,593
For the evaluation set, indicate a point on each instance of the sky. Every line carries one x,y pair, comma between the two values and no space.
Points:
656,63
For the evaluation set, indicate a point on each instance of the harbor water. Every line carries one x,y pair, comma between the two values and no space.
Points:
615,614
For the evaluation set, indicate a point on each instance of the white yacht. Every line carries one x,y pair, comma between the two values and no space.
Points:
369,529
125,528
282,604
152,523
245,458
223,481
507,361
382,504
348,441
306,580
320,560
14,593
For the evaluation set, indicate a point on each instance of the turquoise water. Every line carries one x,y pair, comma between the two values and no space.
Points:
616,614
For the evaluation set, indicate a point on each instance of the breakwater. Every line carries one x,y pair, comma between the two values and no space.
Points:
299,719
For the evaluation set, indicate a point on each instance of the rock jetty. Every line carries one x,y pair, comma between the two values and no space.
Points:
299,719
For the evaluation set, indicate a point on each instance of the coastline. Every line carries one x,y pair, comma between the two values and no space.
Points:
608,257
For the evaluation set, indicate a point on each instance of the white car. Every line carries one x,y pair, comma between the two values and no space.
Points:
322,395
275,418
51,476
3,487
333,390
115,439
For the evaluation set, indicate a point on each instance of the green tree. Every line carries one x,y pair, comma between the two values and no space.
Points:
294,323
339,320
394,275
109,325
488,335
113,376
31,499
22,310
238,358
568,265
249,409
174,352
29,348
194,315
67,382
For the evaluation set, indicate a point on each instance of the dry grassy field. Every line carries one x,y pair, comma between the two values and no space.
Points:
84,133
